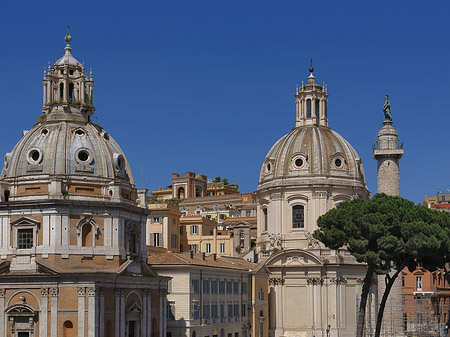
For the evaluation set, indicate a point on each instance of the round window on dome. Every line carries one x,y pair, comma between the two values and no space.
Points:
34,156
299,162
83,155
44,132
338,162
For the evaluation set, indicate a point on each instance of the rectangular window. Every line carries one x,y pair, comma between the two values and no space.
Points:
298,216
208,248
236,287
214,313
265,219
213,287
236,310
174,241
195,287
155,239
244,310
248,213
244,287
222,310
230,310
222,248
174,221
181,248
206,286
198,212
195,310
419,283
229,287
171,310
194,248
156,220
236,334
181,230
194,229
169,286
222,287
206,313
25,238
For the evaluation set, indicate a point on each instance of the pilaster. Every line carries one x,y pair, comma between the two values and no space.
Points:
54,312
92,311
43,315
81,310
2,312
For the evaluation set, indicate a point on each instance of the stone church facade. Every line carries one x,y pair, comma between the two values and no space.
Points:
72,229
313,291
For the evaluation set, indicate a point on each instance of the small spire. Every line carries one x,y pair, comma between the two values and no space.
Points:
296,90
311,69
68,39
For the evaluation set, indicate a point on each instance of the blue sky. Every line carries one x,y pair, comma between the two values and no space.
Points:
207,86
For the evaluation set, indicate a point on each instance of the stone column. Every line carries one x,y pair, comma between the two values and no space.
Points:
149,314
117,316
122,312
102,313
92,311
144,312
43,315
161,313
81,311
54,312
2,312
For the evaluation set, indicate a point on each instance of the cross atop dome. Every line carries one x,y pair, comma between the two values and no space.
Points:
311,101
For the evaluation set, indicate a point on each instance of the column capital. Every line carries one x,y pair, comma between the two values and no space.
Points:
81,291
92,291
54,292
2,292
44,292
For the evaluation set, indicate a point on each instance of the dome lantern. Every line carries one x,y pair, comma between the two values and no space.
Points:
311,103
67,89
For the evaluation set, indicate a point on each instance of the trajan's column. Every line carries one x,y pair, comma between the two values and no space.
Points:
387,151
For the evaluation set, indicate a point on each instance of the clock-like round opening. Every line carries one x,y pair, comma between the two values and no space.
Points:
299,162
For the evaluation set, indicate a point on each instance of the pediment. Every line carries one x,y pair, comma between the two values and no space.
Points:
24,220
293,258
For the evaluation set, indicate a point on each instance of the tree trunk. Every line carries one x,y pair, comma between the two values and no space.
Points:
384,300
363,303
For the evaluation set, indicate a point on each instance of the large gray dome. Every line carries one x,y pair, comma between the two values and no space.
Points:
312,155
67,149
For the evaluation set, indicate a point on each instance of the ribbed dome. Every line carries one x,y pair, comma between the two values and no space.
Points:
312,155
67,149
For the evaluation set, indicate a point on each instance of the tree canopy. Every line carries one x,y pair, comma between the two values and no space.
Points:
388,234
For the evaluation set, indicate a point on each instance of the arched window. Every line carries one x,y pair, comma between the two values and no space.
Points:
180,194
133,239
261,294
241,239
308,108
71,93
87,230
61,92
265,219
317,111
198,193
68,329
298,216
86,235
6,194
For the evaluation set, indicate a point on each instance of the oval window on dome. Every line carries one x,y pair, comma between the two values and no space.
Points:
338,162
44,132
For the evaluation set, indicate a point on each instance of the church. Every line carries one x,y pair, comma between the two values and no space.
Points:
73,259
315,291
